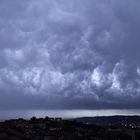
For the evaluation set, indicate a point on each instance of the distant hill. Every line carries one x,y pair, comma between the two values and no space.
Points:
111,120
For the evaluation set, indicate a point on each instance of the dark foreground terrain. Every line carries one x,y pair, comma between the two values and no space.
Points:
91,128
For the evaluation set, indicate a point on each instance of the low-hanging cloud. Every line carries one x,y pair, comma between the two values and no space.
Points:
69,54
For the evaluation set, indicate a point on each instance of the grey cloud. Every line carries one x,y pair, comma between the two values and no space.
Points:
69,54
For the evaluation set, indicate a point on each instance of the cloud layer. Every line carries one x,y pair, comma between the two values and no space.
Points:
69,54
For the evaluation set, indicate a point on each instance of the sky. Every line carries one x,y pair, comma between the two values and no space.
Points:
69,54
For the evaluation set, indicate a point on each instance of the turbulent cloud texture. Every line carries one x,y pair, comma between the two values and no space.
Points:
69,54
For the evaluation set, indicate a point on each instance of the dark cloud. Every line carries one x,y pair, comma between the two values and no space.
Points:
69,54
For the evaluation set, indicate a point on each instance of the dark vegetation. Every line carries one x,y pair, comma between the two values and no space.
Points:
87,128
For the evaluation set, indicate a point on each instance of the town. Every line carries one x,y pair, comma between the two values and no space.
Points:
60,129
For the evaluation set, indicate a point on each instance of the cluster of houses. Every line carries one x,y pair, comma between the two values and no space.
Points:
58,129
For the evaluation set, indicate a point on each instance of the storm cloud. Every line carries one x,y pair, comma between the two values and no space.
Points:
69,54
